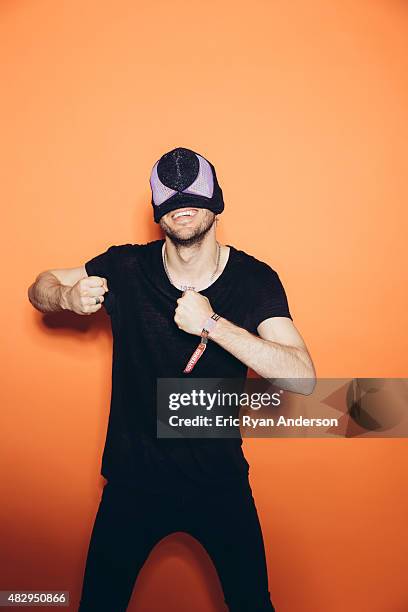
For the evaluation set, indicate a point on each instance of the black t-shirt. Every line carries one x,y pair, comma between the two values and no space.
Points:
147,344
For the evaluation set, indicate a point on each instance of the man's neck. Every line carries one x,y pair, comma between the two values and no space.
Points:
193,263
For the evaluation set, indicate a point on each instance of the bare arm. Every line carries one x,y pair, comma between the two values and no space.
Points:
67,289
47,294
278,353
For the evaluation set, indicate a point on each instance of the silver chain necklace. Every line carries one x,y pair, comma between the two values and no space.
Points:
185,287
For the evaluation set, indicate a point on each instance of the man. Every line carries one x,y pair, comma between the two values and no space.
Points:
182,306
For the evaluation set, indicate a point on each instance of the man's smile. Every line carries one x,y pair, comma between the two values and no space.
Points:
183,216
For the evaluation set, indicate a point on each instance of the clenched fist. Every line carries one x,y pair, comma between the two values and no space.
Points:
192,310
81,297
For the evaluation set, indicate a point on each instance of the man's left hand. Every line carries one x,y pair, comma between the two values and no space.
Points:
192,310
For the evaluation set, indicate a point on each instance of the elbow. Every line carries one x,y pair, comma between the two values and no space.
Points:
303,385
29,293
32,299
308,383
302,376
306,386
305,381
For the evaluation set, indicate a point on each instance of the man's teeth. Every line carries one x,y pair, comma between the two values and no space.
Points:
187,212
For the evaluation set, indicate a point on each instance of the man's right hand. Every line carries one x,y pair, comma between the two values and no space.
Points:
80,298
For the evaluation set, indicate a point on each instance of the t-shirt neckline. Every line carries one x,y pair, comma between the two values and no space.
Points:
178,292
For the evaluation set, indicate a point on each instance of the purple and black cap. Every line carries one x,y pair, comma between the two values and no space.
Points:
182,178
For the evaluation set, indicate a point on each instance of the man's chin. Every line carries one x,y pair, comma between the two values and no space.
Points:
187,235
183,236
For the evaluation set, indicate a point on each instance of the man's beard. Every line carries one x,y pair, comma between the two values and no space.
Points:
198,233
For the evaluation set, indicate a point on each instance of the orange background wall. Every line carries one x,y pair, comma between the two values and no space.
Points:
302,108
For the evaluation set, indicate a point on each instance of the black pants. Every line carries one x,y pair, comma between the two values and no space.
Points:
129,523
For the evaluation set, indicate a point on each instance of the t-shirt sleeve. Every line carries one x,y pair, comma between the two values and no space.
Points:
109,265
269,298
